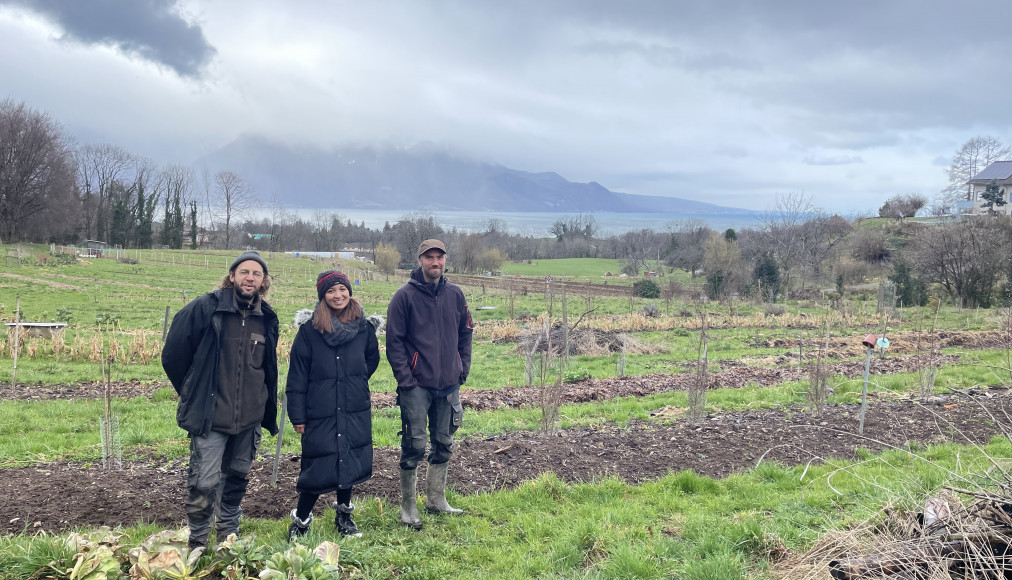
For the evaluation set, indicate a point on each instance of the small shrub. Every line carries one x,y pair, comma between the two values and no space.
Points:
63,314
650,310
575,375
775,309
646,289
61,260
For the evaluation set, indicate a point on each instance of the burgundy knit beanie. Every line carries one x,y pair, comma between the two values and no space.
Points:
329,278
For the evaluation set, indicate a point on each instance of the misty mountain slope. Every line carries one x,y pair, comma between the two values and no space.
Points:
421,177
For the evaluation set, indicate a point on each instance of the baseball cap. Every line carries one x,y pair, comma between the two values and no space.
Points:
430,244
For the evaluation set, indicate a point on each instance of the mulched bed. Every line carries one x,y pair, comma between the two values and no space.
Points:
58,496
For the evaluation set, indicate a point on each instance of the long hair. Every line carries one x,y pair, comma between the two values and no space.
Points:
323,312
262,292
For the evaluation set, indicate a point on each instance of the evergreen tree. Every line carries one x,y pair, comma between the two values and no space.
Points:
910,291
767,276
193,225
993,196
144,217
177,222
165,237
122,218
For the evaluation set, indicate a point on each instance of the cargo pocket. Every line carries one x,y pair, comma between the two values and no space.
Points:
457,413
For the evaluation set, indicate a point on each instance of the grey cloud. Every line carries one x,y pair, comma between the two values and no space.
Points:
731,151
838,160
153,30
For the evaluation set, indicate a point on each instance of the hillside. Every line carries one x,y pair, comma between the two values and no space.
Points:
421,177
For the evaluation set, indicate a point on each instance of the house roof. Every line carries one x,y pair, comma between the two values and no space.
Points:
998,170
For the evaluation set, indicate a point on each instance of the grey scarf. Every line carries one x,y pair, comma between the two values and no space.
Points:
342,333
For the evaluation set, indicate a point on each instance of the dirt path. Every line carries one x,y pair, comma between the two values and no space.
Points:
56,497
63,286
50,283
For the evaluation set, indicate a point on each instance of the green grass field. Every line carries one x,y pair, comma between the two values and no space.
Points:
681,526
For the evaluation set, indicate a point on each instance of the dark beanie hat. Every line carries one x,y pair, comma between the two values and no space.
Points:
249,255
330,278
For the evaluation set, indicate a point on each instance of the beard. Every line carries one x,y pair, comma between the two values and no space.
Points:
242,293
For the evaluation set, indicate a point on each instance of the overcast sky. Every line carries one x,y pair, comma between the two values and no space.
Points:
729,102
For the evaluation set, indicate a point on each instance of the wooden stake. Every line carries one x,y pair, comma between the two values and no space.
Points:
165,324
17,340
281,436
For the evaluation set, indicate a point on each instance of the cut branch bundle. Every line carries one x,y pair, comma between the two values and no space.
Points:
945,540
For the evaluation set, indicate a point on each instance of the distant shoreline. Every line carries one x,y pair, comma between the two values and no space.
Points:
535,224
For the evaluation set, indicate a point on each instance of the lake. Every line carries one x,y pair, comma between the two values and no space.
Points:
538,223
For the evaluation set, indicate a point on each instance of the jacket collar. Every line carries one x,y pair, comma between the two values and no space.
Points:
418,279
229,302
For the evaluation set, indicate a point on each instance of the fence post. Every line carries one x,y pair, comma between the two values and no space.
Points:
165,324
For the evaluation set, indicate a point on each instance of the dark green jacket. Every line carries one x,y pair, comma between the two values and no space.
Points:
190,359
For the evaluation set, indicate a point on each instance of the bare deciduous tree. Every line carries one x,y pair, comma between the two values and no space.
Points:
685,244
967,258
783,234
972,157
99,167
387,258
36,171
469,247
902,206
235,199
411,230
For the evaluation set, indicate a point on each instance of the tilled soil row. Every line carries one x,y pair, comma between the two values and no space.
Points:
511,397
58,496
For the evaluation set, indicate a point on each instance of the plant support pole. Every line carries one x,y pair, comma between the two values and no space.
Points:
864,391
165,323
17,340
281,436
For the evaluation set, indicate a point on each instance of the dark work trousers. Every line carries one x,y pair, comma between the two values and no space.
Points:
219,466
443,414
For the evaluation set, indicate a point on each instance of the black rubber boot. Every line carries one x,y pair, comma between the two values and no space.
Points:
343,522
299,527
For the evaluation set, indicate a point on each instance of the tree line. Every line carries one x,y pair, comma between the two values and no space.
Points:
53,190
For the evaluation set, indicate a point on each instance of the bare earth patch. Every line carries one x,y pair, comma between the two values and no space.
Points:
59,496
735,375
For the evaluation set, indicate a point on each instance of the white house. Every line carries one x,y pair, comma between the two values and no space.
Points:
1001,173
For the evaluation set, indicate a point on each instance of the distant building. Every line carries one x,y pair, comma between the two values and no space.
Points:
1001,173
92,249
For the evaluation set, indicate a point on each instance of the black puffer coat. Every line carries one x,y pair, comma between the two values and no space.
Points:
328,392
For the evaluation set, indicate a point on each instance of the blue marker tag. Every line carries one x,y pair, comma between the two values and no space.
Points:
882,342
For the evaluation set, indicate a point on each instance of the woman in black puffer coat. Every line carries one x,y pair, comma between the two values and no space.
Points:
328,402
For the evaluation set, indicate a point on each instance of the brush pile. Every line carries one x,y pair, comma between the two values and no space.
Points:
947,540
585,341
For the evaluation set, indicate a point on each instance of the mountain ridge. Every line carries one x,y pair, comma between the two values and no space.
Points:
425,176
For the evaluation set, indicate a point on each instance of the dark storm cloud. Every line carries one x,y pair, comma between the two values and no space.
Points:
150,29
